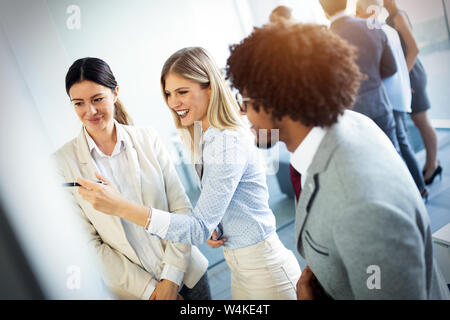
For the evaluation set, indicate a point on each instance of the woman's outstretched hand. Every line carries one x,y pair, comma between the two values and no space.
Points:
103,197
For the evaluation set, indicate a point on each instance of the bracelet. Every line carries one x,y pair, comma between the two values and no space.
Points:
149,219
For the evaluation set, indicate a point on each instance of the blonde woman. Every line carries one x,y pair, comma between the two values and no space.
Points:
234,196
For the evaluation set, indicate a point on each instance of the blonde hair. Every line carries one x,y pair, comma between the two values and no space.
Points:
196,64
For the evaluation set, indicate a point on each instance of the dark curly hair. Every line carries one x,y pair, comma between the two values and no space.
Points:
303,71
331,7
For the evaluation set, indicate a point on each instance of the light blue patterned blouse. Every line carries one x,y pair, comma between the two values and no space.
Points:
234,196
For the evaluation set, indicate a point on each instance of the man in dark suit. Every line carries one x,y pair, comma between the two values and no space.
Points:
374,59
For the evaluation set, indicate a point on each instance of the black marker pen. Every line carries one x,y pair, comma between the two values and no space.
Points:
76,184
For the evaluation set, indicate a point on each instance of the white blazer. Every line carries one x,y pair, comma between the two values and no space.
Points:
157,185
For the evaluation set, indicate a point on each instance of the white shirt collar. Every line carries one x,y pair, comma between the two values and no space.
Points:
302,157
93,146
338,16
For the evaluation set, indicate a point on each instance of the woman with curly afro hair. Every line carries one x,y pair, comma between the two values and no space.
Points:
358,211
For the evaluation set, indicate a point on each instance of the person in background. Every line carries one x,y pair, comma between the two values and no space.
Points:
280,12
374,59
361,224
398,88
233,208
137,265
398,19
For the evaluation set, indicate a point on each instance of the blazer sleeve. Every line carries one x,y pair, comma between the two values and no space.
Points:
382,251
118,271
176,254
388,66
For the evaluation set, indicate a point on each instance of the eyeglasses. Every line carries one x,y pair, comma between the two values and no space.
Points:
242,102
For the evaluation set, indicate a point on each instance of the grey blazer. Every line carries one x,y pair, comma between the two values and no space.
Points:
361,222
374,58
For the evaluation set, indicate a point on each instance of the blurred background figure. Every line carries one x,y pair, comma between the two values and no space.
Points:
398,88
375,60
232,209
399,20
280,12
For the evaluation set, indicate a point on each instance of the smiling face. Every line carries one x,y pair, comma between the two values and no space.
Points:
94,105
187,99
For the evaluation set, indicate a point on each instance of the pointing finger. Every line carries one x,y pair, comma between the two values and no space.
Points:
90,185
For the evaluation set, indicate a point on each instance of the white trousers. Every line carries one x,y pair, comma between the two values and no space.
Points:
264,271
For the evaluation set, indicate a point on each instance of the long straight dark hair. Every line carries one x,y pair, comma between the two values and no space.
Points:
98,71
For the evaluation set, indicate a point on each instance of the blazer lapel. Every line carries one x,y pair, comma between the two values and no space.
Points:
133,160
312,186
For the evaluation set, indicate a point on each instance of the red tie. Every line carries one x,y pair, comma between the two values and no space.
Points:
296,179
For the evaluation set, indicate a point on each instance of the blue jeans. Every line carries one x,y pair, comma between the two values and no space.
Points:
407,152
200,291
387,124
